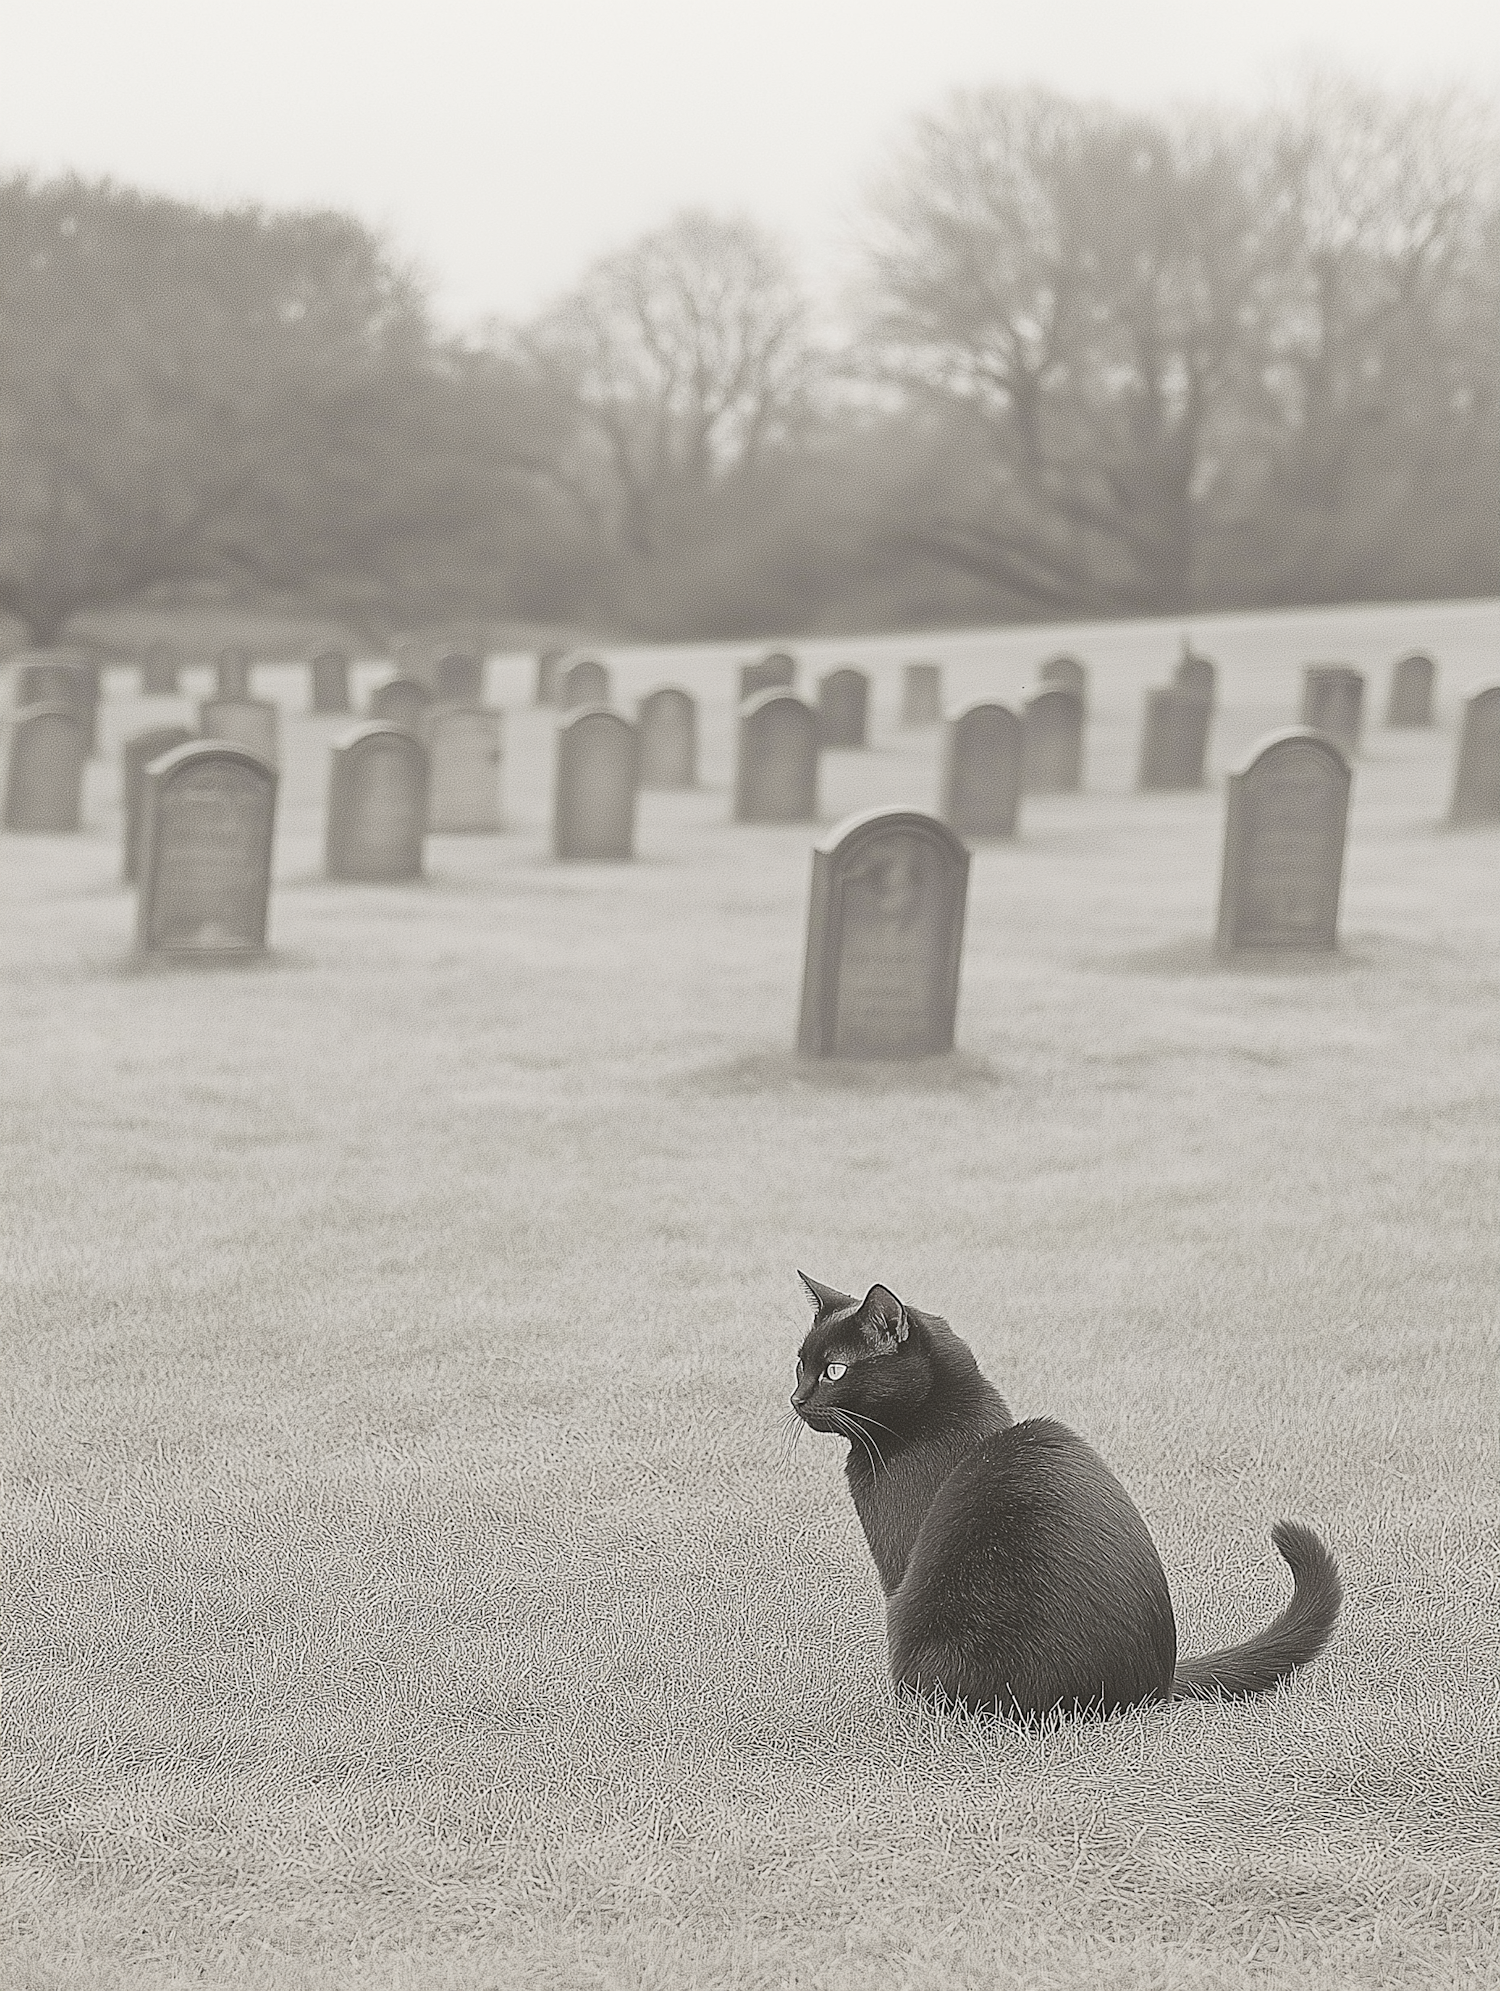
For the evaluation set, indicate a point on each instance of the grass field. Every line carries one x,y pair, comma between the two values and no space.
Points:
409,1582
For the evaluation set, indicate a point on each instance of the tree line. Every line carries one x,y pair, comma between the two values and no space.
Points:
1094,361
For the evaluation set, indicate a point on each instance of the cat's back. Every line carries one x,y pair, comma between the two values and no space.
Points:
1033,1582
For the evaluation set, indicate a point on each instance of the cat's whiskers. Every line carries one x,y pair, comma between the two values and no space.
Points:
864,1421
843,1422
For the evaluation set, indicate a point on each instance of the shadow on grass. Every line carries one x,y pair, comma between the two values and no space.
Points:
1196,955
788,1071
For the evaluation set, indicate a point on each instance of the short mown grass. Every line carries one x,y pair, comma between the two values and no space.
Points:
409,1578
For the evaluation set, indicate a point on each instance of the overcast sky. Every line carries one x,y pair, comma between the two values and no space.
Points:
501,146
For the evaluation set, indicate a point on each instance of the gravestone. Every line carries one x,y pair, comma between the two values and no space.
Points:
136,756
208,820
776,672
463,746
1476,771
1174,738
982,772
1410,702
667,723
378,786
1284,824
1052,742
48,749
1197,676
62,678
921,694
159,668
593,806
884,938
548,666
458,679
776,773
330,681
586,683
234,672
843,708
400,701
1333,697
1067,674
250,722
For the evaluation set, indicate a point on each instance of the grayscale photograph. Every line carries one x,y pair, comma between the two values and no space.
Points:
750,1040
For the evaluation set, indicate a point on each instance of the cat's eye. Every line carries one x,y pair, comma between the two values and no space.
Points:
834,1370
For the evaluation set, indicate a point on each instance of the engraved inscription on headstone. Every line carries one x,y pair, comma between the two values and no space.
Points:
1284,826
458,679
667,722
234,671
159,668
44,768
377,805
1052,736
1333,697
400,701
776,773
1066,674
463,742
330,681
598,766
585,683
1410,702
250,722
136,756
208,819
1196,675
776,672
548,665
884,938
844,708
1476,771
1174,739
982,772
921,694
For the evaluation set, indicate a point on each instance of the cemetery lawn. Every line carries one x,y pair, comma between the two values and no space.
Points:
409,1582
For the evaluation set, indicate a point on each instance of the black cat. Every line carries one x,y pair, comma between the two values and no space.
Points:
1020,1578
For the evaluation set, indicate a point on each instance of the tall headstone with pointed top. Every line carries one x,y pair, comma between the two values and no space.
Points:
1284,827
598,769
667,721
884,938
1476,771
377,805
208,822
776,772
982,772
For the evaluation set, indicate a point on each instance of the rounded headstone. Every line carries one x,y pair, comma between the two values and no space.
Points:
776,771
1052,742
1410,702
377,805
585,683
458,679
1068,674
667,722
777,671
1476,769
1333,698
400,701
593,804
1284,825
982,772
47,752
207,829
844,708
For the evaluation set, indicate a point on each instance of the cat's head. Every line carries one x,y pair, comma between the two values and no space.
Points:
869,1357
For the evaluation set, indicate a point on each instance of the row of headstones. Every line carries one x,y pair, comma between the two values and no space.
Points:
453,678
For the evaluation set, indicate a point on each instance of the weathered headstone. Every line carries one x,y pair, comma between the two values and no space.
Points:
844,708
1052,735
1068,674
667,722
1284,825
250,722
378,791
776,672
458,679
1333,697
330,681
548,666
585,683
208,820
1410,702
1174,738
61,677
921,694
400,701
884,938
136,755
1476,771
48,749
159,668
982,772
1198,676
234,672
776,773
463,744
598,767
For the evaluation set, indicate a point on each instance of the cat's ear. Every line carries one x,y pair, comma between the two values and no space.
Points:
882,1320
824,1298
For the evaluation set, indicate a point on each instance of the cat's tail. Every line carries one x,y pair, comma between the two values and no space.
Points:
1299,1634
